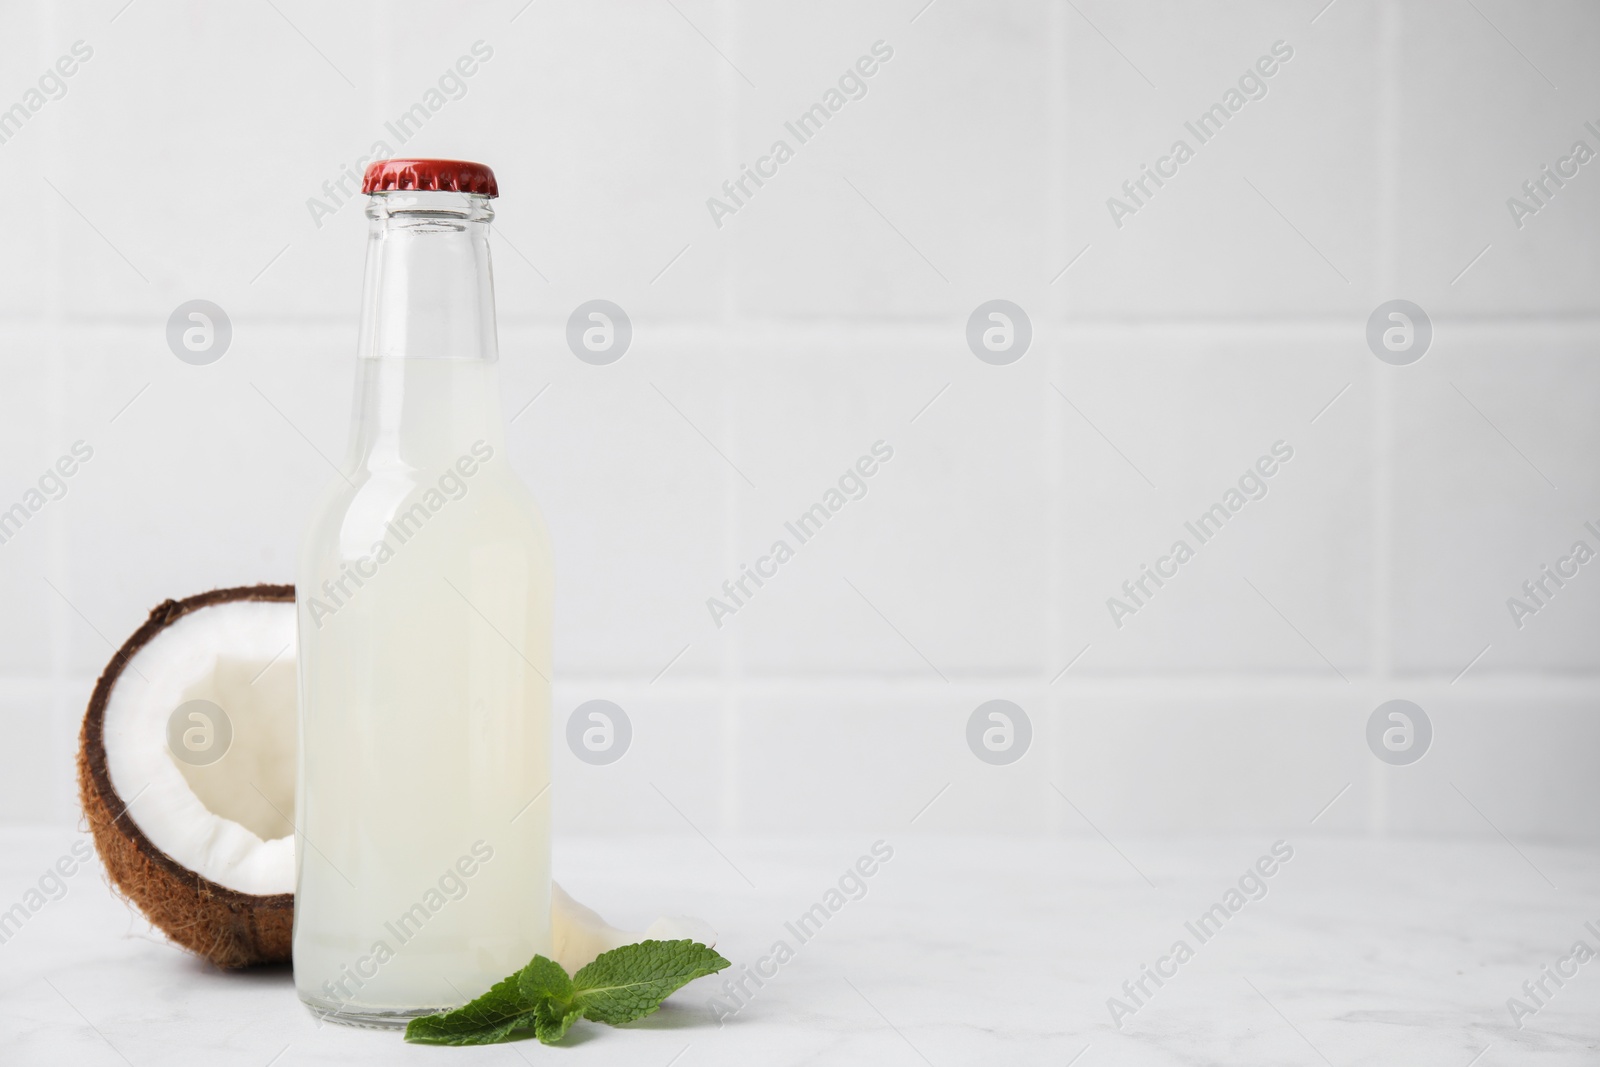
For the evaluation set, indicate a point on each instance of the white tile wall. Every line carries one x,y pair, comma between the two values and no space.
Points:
1474,121
1193,409
827,314
943,146
645,519
1220,237
611,178
1500,428
25,279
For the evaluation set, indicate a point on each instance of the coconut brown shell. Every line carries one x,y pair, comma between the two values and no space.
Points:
227,927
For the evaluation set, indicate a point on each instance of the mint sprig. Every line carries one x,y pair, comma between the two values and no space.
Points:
620,986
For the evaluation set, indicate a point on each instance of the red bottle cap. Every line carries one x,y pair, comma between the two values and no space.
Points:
437,175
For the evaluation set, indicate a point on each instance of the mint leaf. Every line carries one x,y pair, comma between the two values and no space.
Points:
489,1019
543,979
537,998
630,982
624,984
544,983
552,1022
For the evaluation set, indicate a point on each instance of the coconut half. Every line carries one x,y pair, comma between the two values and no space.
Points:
203,845
186,771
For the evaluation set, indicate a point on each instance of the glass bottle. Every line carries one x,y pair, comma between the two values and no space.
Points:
423,591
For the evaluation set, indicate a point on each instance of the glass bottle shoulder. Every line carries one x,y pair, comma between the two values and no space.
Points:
474,503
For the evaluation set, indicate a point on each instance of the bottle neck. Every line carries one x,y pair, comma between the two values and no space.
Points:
429,286
426,381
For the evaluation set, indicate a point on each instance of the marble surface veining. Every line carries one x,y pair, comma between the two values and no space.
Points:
954,951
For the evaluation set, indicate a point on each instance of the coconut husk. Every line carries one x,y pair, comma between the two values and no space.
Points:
227,927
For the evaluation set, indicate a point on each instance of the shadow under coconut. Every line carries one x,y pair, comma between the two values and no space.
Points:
257,974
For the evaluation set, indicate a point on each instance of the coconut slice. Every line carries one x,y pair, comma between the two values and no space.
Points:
578,934
200,834
186,770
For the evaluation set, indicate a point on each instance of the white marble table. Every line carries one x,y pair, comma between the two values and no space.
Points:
960,952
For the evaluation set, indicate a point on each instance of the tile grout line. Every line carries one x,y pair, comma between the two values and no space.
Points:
1390,42
1059,114
63,717
58,622
1488,686
731,655
794,331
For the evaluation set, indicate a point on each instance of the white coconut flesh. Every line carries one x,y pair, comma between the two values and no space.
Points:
231,821
578,934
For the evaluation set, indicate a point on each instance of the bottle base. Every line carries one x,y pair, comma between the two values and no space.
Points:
374,1019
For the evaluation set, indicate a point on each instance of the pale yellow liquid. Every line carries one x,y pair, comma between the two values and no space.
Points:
425,709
